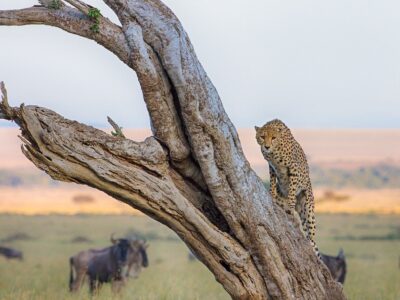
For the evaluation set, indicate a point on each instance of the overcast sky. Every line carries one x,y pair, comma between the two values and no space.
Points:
312,63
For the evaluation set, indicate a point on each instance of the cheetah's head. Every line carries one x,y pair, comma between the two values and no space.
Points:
268,136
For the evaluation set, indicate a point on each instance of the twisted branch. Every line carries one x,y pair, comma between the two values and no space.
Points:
192,175
6,111
138,174
118,130
74,21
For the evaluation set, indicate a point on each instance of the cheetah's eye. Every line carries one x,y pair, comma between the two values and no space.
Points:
273,138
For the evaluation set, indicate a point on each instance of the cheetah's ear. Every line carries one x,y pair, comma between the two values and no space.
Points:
256,128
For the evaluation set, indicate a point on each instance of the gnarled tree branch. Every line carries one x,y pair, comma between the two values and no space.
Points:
192,175
138,174
74,21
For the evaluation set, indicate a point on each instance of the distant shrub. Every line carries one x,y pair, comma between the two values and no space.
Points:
83,199
371,177
81,239
18,236
330,195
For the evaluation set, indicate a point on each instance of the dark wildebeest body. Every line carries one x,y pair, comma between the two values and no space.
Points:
10,253
79,263
336,265
107,265
137,258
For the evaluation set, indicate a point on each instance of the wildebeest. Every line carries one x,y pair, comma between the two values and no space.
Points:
137,258
336,265
10,253
107,266
79,263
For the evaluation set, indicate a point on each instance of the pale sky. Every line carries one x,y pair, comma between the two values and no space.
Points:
311,63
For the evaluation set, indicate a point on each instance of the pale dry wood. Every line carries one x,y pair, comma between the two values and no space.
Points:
5,110
74,21
138,174
192,176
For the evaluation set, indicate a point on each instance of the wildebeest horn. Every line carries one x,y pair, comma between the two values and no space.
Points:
144,244
341,253
112,239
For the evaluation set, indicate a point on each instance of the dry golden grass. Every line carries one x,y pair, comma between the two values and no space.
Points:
361,201
61,200
344,148
370,244
39,200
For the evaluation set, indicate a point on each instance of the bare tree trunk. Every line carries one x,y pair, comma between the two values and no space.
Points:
191,175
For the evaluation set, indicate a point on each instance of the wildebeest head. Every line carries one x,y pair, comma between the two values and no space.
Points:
120,250
140,246
336,265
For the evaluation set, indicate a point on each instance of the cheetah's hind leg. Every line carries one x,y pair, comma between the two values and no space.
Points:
301,210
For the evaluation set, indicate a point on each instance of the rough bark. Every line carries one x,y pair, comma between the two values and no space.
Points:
192,174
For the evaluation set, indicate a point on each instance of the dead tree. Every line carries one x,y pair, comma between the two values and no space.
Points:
191,175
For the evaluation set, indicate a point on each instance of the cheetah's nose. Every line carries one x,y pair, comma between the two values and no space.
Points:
267,147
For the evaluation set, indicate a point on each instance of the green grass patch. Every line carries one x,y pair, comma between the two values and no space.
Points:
373,270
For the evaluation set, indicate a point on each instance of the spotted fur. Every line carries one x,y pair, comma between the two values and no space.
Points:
290,183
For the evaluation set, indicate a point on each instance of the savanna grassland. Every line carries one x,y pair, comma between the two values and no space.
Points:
371,244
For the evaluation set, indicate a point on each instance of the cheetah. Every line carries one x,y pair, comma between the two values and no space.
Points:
290,184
